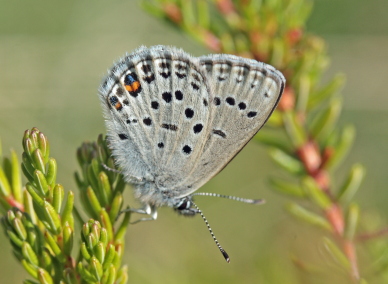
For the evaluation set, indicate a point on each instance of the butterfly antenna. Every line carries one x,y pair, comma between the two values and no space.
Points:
245,200
226,256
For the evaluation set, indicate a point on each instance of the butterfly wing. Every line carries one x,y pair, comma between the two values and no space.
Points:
245,93
157,107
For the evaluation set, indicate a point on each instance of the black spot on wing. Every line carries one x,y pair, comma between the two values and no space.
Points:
171,127
147,121
154,104
180,75
242,106
252,114
219,133
178,95
195,86
149,78
230,101
186,149
189,112
197,128
165,75
167,97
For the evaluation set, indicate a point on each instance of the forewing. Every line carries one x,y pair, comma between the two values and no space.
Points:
245,93
157,105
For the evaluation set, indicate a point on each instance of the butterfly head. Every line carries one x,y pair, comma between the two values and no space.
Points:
184,206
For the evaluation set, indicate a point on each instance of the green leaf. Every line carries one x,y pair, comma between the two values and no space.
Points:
52,218
46,259
5,187
85,274
120,234
352,184
67,216
110,255
324,123
111,275
29,254
308,216
286,187
54,246
38,161
122,275
27,168
84,251
352,221
68,238
294,129
342,148
28,206
327,91
51,174
99,252
58,193
120,185
106,190
104,238
316,194
269,138
105,221
41,183
28,145
34,195
286,161
31,269
91,241
44,146
93,200
19,229
336,253
15,238
116,206
95,268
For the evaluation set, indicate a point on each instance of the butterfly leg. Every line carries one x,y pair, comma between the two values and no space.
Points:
148,210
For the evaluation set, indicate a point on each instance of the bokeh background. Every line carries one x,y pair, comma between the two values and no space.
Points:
53,55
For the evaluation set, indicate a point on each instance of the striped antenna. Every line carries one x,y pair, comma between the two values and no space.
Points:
226,256
245,200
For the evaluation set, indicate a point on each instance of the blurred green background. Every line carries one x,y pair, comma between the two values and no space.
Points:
52,58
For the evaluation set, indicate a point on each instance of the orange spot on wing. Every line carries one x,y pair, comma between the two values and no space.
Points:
118,106
136,85
133,87
129,88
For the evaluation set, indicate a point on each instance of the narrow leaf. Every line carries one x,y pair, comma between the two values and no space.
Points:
308,216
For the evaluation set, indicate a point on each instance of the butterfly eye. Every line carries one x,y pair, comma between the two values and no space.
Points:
184,204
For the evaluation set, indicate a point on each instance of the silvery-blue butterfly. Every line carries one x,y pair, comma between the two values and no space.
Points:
174,121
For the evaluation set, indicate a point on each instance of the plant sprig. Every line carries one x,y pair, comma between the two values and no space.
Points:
40,220
304,137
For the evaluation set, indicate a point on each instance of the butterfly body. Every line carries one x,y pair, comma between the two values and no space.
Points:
174,121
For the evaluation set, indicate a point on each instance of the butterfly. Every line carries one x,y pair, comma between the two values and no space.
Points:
174,121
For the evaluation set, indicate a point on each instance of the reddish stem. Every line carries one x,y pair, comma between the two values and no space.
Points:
350,252
11,201
373,235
